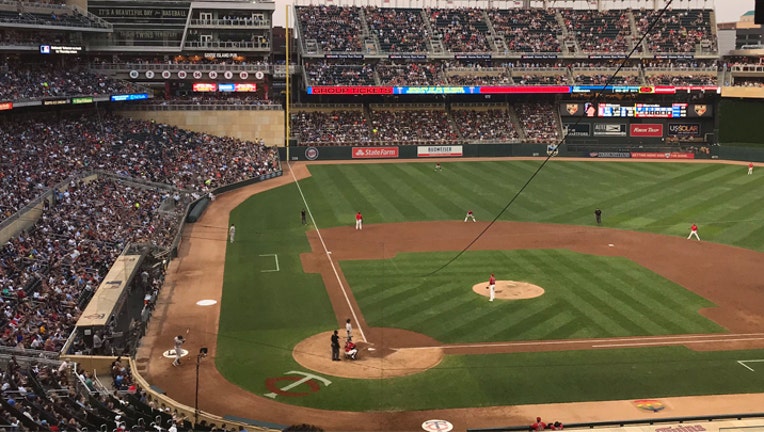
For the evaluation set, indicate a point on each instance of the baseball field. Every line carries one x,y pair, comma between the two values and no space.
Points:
627,310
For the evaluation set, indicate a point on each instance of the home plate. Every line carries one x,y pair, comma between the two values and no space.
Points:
610,244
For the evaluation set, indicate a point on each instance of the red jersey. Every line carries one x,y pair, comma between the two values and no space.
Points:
492,280
358,216
750,164
694,227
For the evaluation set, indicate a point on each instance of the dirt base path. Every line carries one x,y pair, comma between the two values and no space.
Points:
197,274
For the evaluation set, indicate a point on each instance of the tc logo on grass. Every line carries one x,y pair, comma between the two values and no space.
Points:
652,405
309,379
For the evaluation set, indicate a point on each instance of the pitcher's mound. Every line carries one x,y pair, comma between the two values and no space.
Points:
510,290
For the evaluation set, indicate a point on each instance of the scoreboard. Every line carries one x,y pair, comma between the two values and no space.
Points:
642,110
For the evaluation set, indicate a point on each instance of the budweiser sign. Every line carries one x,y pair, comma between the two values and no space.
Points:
646,130
375,152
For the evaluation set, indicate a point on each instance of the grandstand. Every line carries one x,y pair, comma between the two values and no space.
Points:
89,180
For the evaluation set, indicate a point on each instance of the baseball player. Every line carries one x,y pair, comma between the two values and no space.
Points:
349,329
750,168
231,233
358,221
470,216
179,341
438,168
598,216
492,287
693,232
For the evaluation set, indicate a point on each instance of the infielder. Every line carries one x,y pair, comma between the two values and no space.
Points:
470,216
358,221
693,232
179,341
492,287
231,233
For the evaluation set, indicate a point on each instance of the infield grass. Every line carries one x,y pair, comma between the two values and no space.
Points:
265,313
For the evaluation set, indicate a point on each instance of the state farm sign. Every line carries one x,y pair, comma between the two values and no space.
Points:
646,130
375,152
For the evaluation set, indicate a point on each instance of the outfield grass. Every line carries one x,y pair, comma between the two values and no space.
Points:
264,314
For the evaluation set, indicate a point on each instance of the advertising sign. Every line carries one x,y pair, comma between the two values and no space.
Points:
659,155
700,110
375,152
575,109
684,130
439,151
610,129
204,87
646,130
578,129
5,106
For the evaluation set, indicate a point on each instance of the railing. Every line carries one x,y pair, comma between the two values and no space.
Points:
202,106
229,44
177,67
242,22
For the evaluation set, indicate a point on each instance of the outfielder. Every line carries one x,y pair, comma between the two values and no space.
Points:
470,216
750,168
492,287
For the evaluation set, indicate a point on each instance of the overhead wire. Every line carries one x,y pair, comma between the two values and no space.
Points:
598,95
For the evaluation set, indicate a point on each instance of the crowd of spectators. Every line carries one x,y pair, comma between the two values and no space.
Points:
599,31
412,125
682,79
534,30
410,73
330,127
47,271
398,30
334,28
461,30
324,72
39,14
527,30
21,80
542,79
485,125
41,153
46,395
678,31
601,79
538,122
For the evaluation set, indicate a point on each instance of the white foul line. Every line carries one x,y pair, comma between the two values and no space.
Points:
276,257
327,253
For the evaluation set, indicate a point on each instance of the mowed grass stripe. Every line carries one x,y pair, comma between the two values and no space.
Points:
637,290
433,200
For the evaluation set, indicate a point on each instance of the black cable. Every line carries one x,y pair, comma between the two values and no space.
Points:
597,97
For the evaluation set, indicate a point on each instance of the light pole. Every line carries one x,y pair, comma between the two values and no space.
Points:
202,354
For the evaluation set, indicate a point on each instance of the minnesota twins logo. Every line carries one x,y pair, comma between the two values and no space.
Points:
572,108
700,110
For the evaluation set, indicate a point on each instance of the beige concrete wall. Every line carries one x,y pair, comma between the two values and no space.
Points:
246,125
